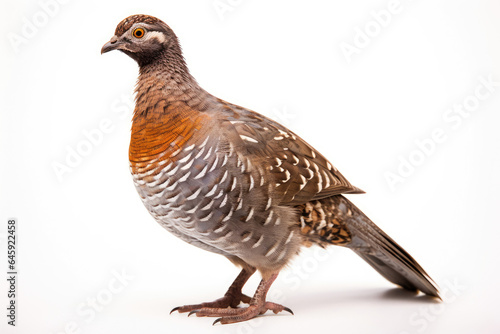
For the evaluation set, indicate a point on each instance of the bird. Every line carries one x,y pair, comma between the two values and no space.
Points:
236,183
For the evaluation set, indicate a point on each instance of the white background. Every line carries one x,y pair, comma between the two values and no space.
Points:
283,59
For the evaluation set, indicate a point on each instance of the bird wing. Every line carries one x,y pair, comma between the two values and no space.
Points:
299,171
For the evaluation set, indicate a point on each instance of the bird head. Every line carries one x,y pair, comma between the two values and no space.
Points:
141,37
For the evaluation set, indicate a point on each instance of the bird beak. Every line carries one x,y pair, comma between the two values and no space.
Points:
113,44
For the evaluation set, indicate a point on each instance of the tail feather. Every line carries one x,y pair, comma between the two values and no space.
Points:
381,252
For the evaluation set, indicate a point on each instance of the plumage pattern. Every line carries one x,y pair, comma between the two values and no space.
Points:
233,182
129,21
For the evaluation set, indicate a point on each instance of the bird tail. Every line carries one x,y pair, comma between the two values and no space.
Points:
382,253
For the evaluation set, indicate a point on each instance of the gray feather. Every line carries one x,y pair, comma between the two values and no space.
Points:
382,253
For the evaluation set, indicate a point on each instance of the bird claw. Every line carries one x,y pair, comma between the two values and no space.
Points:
227,301
193,312
232,315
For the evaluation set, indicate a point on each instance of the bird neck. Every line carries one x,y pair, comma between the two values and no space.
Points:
169,108
168,62
168,79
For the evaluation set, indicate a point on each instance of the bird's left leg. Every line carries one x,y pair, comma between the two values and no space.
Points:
232,297
258,305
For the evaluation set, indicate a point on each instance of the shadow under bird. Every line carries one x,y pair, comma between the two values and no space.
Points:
233,182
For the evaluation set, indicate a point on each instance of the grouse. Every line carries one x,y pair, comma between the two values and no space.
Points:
234,182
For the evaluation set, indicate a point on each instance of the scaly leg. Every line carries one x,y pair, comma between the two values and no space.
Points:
232,297
258,305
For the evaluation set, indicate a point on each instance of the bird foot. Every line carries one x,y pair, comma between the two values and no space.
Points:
227,307
232,315
229,300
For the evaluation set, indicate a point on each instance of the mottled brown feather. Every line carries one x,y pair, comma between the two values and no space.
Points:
131,20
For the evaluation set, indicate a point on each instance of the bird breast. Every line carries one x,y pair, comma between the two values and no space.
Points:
207,190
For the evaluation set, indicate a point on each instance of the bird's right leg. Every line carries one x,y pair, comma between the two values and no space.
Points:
232,297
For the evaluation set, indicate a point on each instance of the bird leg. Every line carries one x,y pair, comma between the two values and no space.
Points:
232,297
258,305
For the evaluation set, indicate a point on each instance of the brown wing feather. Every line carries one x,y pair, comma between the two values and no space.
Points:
300,172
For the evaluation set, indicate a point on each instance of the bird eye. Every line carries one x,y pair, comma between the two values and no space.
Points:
138,33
